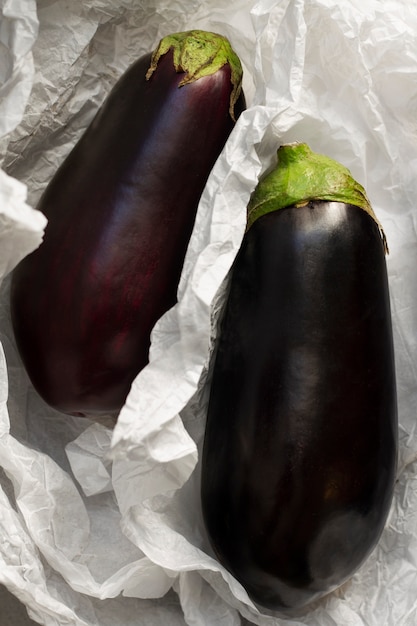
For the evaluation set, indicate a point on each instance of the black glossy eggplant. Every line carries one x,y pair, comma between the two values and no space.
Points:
299,455
121,209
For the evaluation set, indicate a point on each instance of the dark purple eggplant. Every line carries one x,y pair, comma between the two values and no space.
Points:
300,447
121,209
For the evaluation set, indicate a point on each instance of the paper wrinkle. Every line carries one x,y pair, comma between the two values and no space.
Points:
98,521
202,605
19,29
21,227
87,456
59,524
4,392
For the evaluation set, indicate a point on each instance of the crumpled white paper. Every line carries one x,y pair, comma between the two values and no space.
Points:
103,527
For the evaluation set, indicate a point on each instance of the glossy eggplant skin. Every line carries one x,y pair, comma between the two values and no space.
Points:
299,455
121,209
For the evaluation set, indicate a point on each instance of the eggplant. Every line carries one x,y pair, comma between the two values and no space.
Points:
300,447
120,211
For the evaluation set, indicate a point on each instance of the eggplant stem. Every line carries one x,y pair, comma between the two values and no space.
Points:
199,53
302,176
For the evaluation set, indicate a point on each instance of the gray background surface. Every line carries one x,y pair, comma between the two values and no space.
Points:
12,612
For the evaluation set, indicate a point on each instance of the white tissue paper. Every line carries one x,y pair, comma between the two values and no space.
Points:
101,526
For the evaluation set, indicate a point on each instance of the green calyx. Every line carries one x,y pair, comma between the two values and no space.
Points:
199,53
302,176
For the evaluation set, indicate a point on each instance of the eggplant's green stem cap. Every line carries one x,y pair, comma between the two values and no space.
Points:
302,176
200,53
